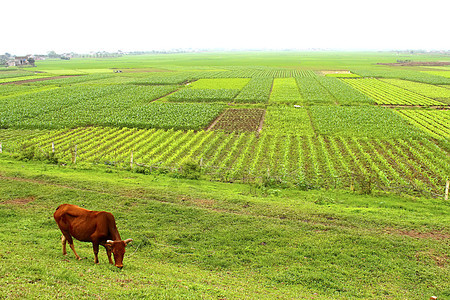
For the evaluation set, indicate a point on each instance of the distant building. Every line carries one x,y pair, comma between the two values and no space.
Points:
20,61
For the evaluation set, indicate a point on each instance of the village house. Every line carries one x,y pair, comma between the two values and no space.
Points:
20,61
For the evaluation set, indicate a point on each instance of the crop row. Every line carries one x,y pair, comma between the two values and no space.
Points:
428,90
324,161
251,72
166,78
411,75
287,120
285,91
203,95
9,73
385,93
257,90
13,89
343,93
434,122
313,93
361,121
72,80
21,78
240,119
222,83
122,105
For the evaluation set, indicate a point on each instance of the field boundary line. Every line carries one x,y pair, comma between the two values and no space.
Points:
210,127
261,122
159,98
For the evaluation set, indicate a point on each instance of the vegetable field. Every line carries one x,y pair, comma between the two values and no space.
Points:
322,160
366,126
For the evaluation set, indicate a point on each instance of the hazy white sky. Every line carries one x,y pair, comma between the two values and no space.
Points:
97,25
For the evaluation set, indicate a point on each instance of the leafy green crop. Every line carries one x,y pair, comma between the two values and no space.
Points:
361,121
285,91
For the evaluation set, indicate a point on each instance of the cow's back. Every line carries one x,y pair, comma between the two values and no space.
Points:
86,224
77,221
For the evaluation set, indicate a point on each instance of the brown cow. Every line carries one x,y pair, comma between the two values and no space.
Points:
98,227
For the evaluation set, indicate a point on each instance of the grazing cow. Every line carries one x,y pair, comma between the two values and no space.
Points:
98,227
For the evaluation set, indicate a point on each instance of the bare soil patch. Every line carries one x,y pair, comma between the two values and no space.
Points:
20,201
38,79
239,120
440,260
434,234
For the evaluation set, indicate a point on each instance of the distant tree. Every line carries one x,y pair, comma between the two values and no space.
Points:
52,54
31,61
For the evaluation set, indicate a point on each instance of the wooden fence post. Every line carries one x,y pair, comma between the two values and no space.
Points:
131,160
447,185
74,158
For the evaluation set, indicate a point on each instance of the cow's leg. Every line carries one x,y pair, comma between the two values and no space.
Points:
63,242
95,246
67,237
108,252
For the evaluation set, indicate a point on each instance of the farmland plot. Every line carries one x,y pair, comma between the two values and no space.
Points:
257,90
285,91
402,74
240,119
313,93
428,90
321,161
210,90
434,122
361,121
225,83
13,90
385,93
287,120
343,93
106,106
203,95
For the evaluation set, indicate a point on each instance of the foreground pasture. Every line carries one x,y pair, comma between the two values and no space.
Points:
199,239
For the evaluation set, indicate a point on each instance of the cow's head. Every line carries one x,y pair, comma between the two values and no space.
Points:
118,250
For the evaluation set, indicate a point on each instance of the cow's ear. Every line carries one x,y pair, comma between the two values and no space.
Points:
109,243
127,241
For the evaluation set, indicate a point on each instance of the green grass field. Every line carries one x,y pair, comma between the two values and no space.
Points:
199,239
241,175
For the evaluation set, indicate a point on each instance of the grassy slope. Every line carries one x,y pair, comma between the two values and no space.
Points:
198,239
